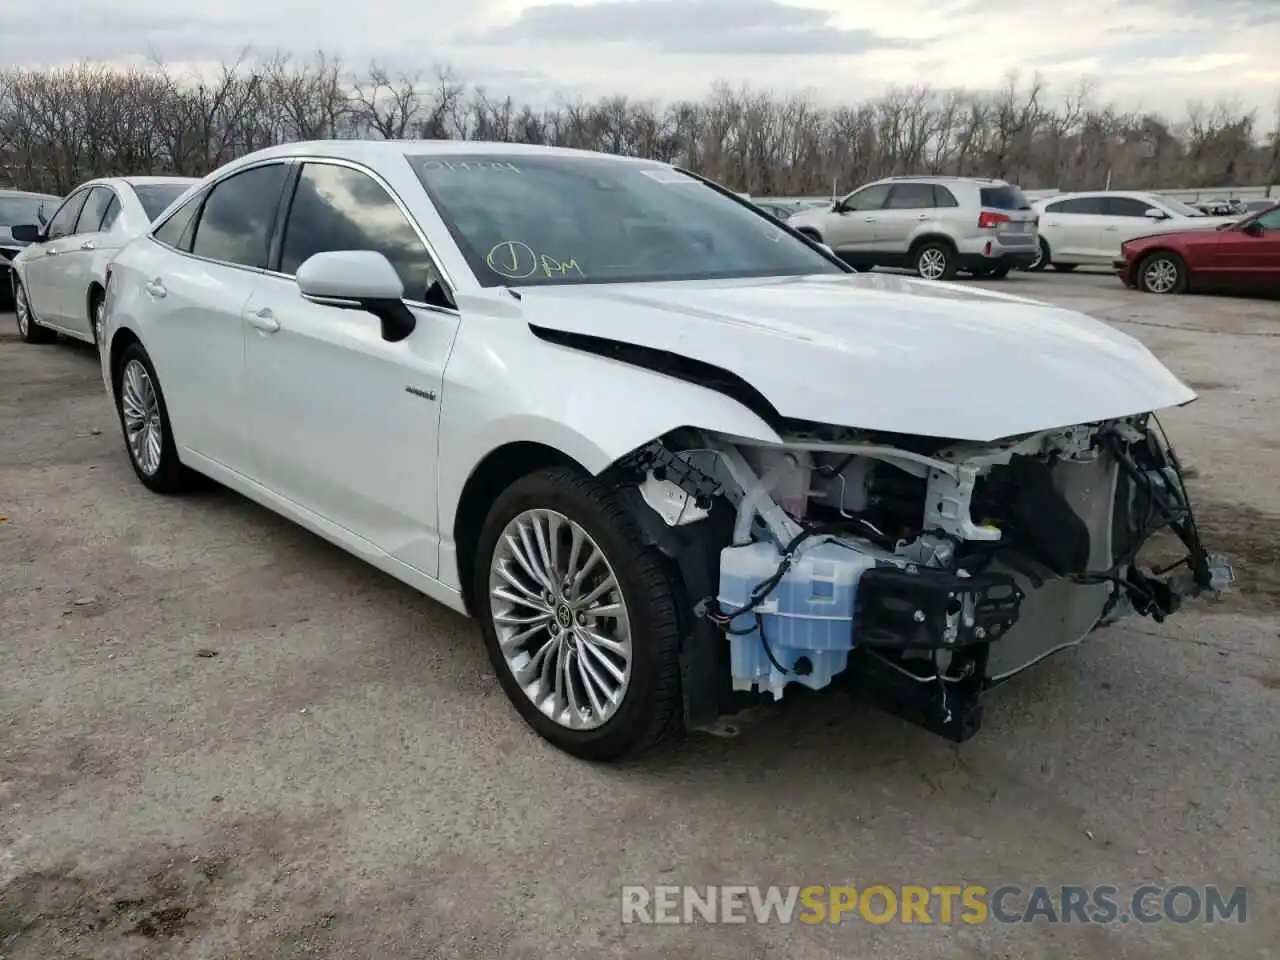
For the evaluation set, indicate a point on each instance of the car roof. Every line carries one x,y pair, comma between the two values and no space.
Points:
373,150
144,181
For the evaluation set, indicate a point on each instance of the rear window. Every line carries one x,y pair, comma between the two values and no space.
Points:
1004,198
16,211
154,197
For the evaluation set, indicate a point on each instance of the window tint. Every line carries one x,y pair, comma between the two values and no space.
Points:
1078,205
94,209
154,197
337,208
1127,207
910,196
1269,220
1003,198
235,224
942,197
566,219
113,211
177,230
34,211
63,222
871,198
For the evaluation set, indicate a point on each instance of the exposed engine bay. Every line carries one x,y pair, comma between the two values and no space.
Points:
924,570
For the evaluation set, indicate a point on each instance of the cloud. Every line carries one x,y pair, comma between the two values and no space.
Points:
716,27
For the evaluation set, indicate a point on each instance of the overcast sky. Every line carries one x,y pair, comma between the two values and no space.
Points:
1154,54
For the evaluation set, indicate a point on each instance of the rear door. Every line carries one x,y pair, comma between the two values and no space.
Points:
1071,227
75,274
909,207
1123,219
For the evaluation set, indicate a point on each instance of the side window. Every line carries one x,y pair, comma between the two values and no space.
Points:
868,198
94,209
176,231
338,208
910,196
942,197
235,224
113,212
1127,207
1269,221
63,223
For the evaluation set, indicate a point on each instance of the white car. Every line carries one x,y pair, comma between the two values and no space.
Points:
60,275
653,439
1088,229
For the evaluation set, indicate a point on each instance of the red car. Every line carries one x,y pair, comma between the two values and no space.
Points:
1242,256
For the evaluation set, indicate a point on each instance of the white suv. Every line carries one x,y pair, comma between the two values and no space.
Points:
936,226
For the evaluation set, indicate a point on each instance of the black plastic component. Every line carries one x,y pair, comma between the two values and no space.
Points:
1035,517
950,708
932,609
666,465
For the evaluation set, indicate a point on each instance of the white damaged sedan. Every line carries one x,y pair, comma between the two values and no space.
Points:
674,456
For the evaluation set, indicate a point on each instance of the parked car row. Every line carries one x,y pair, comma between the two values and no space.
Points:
655,440
19,207
61,264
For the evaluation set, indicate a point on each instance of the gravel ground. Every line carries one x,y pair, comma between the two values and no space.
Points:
222,737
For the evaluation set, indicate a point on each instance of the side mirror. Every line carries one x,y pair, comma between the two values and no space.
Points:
358,280
839,207
27,233
1154,214
1253,228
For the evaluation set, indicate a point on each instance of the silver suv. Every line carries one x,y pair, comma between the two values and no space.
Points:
936,226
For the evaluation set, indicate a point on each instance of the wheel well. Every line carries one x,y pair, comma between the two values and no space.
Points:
499,470
119,342
933,238
1156,251
95,291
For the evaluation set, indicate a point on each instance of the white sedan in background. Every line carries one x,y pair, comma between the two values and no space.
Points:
1088,229
60,276
652,438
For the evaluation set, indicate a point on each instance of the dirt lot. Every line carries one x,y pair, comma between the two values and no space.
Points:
345,778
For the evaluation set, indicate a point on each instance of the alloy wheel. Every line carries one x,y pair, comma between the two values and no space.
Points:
97,320
932,263
21,308
140,408
561,619
1160,275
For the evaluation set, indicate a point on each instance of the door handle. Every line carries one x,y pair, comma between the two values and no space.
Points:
88,245
869,220
52,252
1110,229
156,288
264,320
923,216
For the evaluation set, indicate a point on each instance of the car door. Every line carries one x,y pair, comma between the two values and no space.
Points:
345,423
1123,219
852,230
1245,257
74,265
909,206
218,246
42,268
1073,228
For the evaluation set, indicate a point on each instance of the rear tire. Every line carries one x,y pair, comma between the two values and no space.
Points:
145,424
29,328
1000,272
934,260
1162,272
1064,267
543,627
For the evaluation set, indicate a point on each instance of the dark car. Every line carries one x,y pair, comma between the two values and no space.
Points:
1242,256
18,207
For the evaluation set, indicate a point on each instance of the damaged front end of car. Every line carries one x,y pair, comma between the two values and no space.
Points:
920,570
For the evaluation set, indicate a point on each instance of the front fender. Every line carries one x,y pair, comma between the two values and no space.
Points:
507,386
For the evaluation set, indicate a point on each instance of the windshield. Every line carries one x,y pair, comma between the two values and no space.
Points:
154,197
1178,207
558,220
15,211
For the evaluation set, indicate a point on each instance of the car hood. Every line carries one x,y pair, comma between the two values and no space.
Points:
879,352
1192,235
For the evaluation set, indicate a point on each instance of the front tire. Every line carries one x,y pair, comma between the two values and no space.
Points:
145,425
1162,273
29,328
579,616
934,260
1042,260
